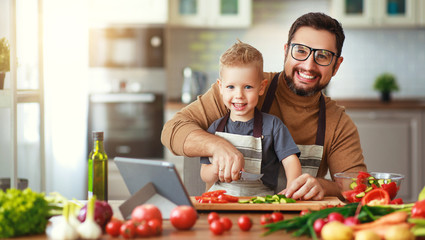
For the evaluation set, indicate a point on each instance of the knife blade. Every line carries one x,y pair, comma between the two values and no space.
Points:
250,176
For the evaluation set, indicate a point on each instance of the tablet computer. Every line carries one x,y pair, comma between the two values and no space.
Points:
137,173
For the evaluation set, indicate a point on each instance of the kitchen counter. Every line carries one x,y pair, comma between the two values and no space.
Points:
201,228
371,103
377,104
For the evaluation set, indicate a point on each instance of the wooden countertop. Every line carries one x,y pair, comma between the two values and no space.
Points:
349,104
201,228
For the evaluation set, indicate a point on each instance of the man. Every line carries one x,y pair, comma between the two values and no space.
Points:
325,134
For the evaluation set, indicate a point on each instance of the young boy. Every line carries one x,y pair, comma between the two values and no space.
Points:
262,138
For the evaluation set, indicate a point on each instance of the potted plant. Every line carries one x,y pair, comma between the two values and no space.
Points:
386,83
4,60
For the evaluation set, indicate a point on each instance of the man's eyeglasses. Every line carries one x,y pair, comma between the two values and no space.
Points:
301,52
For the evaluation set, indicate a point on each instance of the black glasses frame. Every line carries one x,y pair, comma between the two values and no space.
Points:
314,55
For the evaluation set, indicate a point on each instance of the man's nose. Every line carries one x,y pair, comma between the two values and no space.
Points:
309,63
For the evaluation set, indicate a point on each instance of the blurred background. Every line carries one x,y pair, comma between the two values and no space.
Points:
125,67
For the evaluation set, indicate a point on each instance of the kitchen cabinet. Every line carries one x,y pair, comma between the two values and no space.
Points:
392,141
21,100
210,13
107,12
372,13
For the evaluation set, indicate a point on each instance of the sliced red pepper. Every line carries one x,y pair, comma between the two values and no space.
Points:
350,196
379,195
391,188
228,198
396,201
215,193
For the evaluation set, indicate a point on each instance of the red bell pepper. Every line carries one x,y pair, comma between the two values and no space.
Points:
379,195
391,188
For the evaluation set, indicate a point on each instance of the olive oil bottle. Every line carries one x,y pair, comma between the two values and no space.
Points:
98,169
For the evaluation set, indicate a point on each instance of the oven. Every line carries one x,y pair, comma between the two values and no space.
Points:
131,122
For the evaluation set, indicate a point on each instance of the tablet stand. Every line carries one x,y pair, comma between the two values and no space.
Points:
147,195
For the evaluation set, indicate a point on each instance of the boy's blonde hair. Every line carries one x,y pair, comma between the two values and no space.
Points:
241,54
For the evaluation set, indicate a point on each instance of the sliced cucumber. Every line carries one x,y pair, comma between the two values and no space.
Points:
360,195
353,185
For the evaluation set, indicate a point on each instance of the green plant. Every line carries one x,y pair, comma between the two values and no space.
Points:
386,82
4,55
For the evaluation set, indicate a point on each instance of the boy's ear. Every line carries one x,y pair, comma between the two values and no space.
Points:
219,82
263,86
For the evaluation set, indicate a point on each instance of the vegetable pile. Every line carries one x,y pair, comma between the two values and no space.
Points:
24,212
389,221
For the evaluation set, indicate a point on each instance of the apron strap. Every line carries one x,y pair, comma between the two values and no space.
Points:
270,94
258,123
321,123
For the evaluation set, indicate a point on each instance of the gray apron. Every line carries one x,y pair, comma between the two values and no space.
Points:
251,148
311,155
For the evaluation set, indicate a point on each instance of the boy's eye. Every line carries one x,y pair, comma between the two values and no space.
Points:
248,87
230,87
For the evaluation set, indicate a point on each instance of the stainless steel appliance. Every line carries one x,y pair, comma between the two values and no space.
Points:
194,83
131,122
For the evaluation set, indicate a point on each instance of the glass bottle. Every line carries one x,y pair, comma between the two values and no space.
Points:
98,169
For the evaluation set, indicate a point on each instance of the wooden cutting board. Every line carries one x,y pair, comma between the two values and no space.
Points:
298,206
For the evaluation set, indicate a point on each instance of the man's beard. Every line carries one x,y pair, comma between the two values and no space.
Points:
302,92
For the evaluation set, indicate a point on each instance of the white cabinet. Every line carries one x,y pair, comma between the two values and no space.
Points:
106,12
372,13
392,142
210,13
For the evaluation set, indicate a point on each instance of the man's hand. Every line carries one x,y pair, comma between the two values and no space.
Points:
305,187
229,161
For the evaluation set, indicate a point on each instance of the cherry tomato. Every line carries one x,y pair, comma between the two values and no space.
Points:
156,226
227,223
304,212
266,219
335,216
128,229
217,227
213,216
418,210
183,217
146,212
277,216
113,228
244,223
376,197
143,230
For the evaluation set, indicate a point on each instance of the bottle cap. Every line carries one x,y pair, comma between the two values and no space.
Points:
98,136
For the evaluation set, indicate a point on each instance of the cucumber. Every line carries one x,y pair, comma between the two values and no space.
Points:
353,185
360,195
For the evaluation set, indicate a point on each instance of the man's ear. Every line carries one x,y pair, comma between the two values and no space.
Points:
263,86
337,65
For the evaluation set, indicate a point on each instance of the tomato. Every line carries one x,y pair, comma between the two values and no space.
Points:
335,216
143,230
227,223
183,217
217,227
128,229
418,210
212,216
376,197
391,188
146,212
156,226
266,219
244,223
277,216
113,228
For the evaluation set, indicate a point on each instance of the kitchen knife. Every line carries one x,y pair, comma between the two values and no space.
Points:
250,176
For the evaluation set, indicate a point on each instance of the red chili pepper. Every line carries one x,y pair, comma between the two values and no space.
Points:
418,210
379,195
